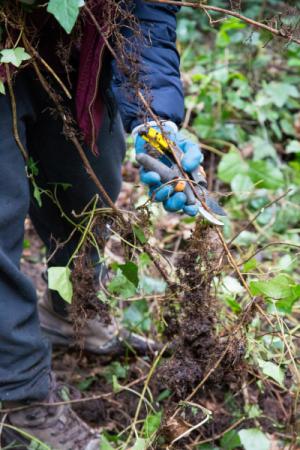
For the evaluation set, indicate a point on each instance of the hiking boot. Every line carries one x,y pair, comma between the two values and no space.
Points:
56,426
95,337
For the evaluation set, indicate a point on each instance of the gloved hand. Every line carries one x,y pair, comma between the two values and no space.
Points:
172,201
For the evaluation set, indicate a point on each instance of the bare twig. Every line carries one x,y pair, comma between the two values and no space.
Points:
14,114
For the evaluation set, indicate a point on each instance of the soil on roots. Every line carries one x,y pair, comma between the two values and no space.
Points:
198,346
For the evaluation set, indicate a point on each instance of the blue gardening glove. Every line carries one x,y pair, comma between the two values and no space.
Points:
172,201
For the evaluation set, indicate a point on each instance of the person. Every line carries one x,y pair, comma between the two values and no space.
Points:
28,388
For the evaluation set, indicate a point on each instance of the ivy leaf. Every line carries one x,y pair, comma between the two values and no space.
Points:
241,185
120,285
136,316
271,370
281,289
130,271
59,280
266,174
254,439
139,234
230,440
105,445
140,444
65,12
14,56
231,164
293,147
262,148
279,93
232,285
151,424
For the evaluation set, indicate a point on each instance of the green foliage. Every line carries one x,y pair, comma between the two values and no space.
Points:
65,11
14,56
282,289
272,370
254,439
137,316
151,424
59,279
130,271
230,440
117,370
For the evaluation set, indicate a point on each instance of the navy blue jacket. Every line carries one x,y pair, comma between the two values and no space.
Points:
159,64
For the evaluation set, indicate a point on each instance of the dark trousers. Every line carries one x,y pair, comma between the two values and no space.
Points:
24,354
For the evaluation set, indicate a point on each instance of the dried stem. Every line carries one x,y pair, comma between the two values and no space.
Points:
14,114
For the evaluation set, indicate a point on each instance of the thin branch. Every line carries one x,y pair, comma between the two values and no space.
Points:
14,114
218,436
252,22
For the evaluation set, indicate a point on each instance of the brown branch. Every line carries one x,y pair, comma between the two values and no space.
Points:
14,114
252,22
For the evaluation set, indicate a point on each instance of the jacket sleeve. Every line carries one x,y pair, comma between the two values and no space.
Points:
159,67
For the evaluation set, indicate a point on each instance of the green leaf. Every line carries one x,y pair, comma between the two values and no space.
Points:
279,93
130,271
233,304
139,234
151,285
245,238
105,445
151,424
115,369
65,12
136,316
271,370
262,148
231,164
14,56
278,287
2,87
241,185
265,174
140,444
59,279
254,439
86,383
253,411
293,147
163,395
120,285
230,440
37,194
250,265
232,285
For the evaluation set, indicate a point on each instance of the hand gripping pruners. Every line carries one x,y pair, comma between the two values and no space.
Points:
191,183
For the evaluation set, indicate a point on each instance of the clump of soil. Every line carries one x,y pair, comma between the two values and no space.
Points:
198,347
85,303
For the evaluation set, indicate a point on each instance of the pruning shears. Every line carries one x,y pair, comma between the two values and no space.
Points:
161,146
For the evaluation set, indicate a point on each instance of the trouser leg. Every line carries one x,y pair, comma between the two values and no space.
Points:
24,353
58,162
